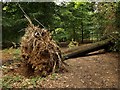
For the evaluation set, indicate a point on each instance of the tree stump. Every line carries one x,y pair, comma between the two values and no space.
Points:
40,52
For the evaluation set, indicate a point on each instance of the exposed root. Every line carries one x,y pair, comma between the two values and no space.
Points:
39,51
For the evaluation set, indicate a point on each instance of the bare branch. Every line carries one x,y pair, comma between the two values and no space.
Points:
26,16
39,22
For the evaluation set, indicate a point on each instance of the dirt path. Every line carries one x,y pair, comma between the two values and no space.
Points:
93,71
97,71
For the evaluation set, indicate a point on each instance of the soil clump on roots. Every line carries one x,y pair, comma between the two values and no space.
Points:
39,51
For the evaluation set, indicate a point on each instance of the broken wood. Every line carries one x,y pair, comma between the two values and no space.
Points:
82,50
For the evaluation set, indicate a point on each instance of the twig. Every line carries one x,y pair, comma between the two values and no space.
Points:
26,16
39,22
21,9
59,59
54,67
21,30
28,19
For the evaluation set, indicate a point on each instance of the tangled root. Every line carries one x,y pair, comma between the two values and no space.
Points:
40,52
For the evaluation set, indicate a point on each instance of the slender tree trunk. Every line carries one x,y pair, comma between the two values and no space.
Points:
82,32
74,34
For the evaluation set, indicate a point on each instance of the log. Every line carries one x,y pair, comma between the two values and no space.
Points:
83,50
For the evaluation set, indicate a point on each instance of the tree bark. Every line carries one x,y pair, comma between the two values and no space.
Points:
82,50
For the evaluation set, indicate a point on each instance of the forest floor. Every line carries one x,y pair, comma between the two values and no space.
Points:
96,70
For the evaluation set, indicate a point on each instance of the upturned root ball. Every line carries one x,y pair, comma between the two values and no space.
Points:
39,51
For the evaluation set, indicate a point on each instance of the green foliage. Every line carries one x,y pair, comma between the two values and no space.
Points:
117,22
118,16
54,76
8,80
14,20
68,21
17,81
72,44
60,35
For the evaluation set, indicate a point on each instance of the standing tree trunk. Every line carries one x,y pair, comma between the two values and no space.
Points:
82,31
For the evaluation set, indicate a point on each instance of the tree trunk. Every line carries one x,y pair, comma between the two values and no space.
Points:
82,32
82,50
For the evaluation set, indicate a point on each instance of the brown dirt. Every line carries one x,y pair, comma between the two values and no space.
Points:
92,71
97,71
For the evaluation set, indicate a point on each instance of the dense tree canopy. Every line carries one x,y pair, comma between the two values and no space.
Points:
77,21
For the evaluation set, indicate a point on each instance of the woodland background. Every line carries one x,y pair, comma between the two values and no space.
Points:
71,21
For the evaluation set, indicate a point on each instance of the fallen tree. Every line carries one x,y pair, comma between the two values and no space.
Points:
82,50
42,55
